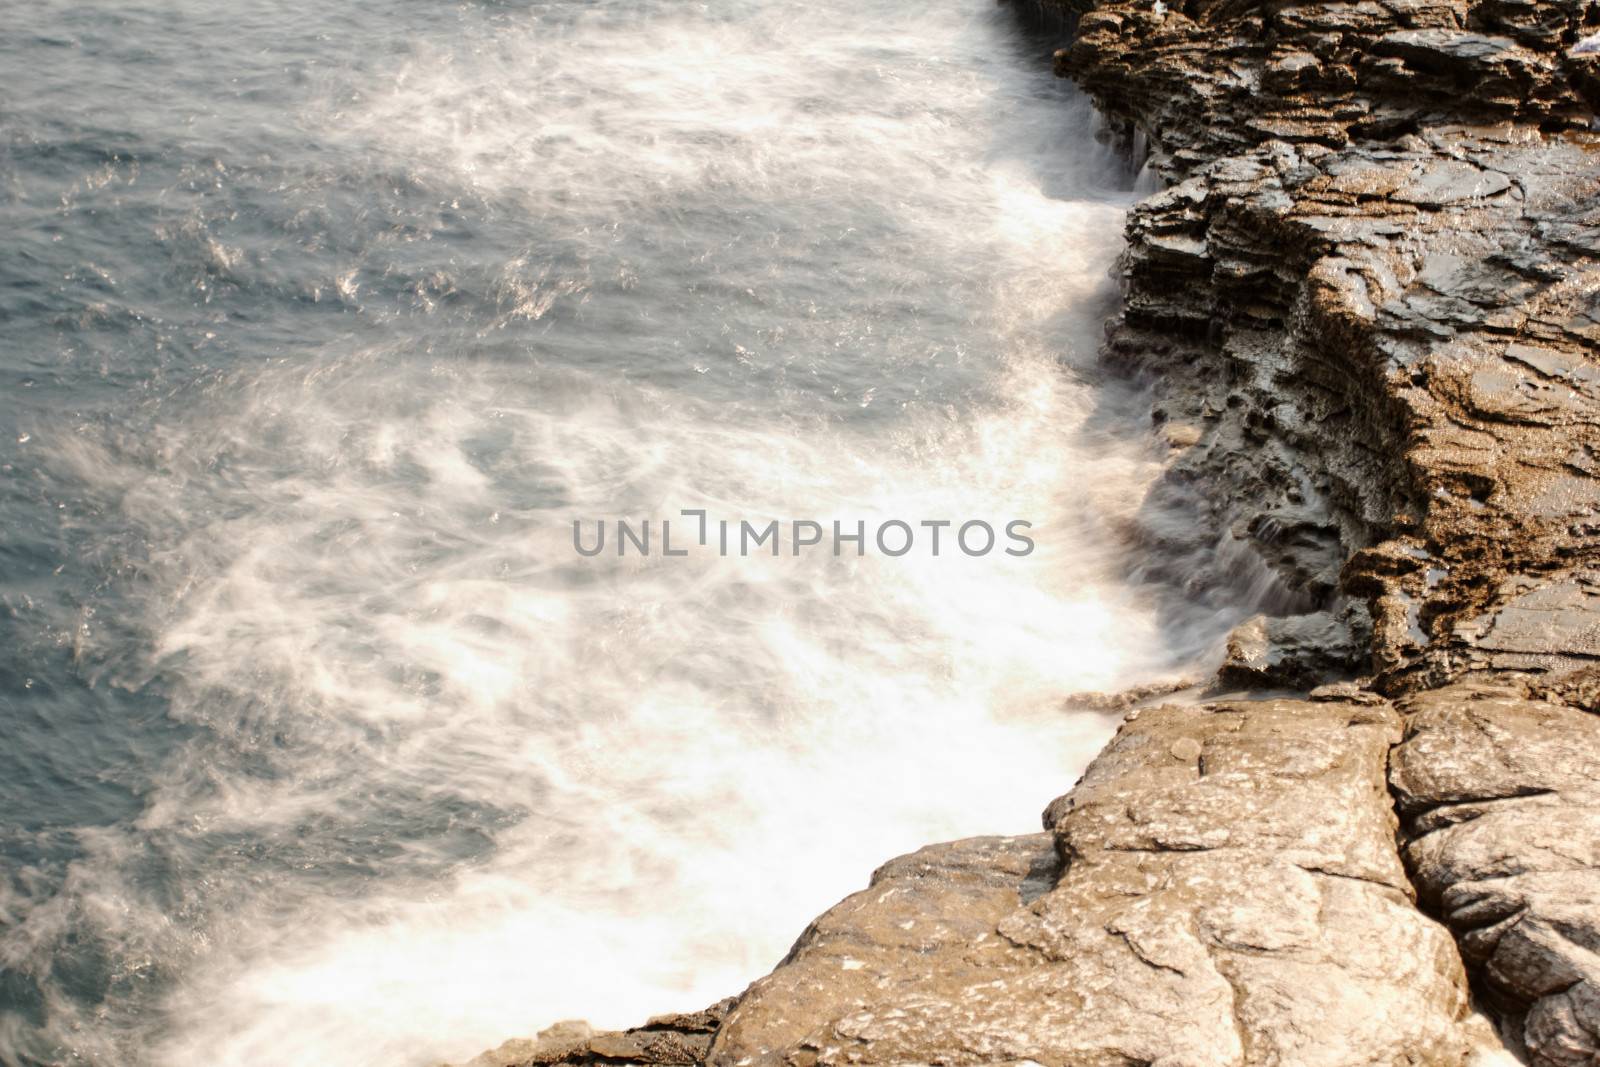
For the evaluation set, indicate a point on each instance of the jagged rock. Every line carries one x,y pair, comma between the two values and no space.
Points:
1379,385
1231,896
1297,650
1501,796
1191,76
1372,284
665,1040
1580,689
1124,699
1373,279
1355,691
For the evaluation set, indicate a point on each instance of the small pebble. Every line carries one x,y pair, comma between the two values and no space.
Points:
1186,749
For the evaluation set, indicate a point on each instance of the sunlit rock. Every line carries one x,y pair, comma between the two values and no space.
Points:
1230,894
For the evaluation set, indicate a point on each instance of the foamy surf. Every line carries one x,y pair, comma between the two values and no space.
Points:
427,778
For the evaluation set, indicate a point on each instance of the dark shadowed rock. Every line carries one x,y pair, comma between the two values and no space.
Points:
1294,651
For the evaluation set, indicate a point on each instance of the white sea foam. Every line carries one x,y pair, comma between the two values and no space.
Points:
700,753
467,783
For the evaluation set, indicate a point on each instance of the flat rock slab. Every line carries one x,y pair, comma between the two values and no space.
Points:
1230,895
1502,802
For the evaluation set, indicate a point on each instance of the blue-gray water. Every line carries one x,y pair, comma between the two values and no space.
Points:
322,321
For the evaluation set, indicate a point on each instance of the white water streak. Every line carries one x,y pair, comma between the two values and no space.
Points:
688,758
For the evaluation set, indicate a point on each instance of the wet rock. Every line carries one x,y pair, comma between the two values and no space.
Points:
664,1040
1501,796
1231,895
1292,651
1125,699
1371,285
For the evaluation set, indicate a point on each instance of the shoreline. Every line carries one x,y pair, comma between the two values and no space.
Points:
1365,301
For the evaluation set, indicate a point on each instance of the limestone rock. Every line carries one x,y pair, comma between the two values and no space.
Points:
1231,895
1501,796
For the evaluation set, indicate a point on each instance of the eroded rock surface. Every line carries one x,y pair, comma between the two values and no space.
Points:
666,1040
1386,383
1208,79
1373,284
1230,894
1294,651
1501,797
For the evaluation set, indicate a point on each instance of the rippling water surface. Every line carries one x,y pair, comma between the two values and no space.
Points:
321,324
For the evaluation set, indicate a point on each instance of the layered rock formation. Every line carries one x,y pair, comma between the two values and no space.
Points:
1370,297
1368,304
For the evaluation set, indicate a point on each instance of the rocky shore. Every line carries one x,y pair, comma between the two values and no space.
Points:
1368,304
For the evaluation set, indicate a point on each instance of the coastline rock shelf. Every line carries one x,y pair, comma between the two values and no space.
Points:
1368,303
